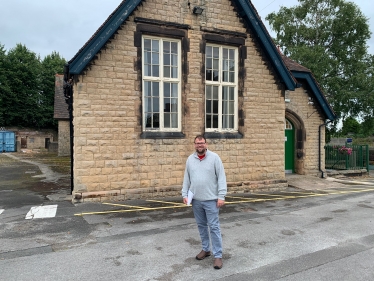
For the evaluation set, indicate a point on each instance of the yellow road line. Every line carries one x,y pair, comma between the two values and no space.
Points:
166,202
249,200
351,191
122,205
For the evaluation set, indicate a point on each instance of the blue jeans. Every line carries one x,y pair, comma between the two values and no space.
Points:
206,215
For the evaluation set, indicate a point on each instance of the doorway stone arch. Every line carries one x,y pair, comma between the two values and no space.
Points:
300,138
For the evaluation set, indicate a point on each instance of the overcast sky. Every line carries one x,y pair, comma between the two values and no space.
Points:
65,26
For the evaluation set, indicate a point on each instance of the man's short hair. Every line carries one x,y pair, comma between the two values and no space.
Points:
199,137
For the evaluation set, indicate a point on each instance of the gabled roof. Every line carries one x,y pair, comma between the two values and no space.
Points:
245,9
301,72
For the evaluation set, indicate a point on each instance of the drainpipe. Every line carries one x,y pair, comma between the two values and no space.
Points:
319,147
68,93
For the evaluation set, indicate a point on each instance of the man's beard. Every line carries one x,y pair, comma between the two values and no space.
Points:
200,150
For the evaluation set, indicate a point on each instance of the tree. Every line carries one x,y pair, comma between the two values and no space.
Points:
27,87
329,37
4,88
50,66
350,126
23,78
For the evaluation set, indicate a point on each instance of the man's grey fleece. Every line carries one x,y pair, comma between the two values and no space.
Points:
205,178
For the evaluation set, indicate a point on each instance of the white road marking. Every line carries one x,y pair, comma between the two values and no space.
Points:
40,212
1,210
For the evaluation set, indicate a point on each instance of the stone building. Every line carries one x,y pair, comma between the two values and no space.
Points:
158,72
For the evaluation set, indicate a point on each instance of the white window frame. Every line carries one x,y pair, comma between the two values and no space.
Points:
161,80
220,85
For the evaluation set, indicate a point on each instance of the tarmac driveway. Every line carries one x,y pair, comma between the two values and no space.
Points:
25,180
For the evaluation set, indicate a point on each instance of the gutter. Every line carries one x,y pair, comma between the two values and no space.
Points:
319,147
68,93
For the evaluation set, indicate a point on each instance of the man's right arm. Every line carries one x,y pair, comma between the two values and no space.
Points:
186,183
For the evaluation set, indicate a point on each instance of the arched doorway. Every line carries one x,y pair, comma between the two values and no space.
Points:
289,147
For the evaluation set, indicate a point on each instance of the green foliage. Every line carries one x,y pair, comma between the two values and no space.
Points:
51,65
330,38
350,127
4,88
27,87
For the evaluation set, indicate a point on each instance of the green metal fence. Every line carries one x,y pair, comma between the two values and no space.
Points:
347,157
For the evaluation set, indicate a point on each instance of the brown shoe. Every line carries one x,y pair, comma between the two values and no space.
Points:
217,263
202,255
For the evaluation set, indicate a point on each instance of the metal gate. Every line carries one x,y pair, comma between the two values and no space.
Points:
7,141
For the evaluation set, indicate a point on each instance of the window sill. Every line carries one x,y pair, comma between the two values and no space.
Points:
162,135
216,135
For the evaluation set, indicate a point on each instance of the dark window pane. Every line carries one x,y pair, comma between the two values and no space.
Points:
147,45
147,89
174,120
232,54
147,70
155,58
225,94
215,75
174,90
174,72
208,51
167,71
215,92
224,122
216,64
215,106
231,107
148,122
232,77
225,54
147,57
166,59
174,47
225,76
156,105
155,46
156,120
215,52
231,121
155,89
215,121
167,120
166,47
208,106
167,89
232,95
148,104
208,121
208,92
208,75
155,71
174,60
174,105
225,107
209,63
167,105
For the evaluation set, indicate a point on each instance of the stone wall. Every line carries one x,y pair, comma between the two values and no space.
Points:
63,138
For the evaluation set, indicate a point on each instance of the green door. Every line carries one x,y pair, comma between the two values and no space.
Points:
289,147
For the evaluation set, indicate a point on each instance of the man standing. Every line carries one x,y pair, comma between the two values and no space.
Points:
205,177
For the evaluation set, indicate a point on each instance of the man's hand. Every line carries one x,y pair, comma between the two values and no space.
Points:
185,200
220,203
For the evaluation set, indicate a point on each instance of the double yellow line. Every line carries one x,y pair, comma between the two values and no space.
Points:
271,197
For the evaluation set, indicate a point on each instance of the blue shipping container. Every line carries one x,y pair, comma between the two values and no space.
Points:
7,141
